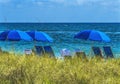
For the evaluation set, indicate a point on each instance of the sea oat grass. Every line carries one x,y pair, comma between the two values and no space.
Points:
16,69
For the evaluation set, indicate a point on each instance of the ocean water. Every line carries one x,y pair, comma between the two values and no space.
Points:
63,34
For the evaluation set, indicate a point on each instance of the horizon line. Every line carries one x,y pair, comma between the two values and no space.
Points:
58,22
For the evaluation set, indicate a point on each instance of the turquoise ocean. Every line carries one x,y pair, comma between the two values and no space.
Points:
63,34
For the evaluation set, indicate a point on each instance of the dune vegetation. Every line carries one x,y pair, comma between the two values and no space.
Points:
16,69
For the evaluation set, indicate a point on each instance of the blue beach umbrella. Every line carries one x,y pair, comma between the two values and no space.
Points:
92,35
40,36
3,35
15,35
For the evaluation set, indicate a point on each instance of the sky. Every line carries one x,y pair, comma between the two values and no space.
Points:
59,11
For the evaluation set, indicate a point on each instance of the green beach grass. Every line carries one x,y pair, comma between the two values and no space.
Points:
45,70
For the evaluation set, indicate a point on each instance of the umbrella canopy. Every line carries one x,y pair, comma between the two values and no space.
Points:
92,35
14,35
40,36
3,35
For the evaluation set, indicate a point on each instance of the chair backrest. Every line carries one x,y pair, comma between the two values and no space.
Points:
1,50
81,54
97,51
39,50
108,51
48,50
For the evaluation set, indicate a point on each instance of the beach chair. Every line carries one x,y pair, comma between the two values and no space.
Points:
1,50
65,53
28,51
97,51
80,54
39,50
108,51
49,51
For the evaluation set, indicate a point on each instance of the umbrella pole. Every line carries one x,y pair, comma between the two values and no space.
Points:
34,43
90,53
56,50
13,50
43,49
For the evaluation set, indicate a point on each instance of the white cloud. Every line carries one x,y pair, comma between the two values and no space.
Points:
66,2
40,3
82,2
4,1
58,1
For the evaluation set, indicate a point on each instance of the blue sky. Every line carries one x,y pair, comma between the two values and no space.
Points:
59,11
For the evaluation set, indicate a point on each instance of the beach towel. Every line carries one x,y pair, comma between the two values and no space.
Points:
65,52
28,51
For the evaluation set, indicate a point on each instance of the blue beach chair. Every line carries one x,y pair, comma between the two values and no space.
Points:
49,51
39,50
108,51
97,51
